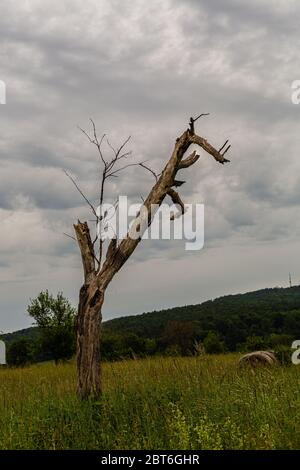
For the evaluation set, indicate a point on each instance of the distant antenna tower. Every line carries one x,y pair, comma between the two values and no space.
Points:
290,279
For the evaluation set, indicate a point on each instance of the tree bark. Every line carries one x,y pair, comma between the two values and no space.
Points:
89,319
88,343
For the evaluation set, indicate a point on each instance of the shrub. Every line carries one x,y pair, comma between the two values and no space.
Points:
19,352
213,344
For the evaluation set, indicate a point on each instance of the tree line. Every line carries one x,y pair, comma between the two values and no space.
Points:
266,319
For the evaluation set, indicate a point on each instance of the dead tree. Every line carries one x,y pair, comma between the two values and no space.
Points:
100,268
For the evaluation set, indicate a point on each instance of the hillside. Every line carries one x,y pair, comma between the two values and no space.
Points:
27,333
234,317
274,310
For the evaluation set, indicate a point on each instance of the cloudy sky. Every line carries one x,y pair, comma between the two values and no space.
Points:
142,68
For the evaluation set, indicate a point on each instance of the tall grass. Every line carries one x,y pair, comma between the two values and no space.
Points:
160,403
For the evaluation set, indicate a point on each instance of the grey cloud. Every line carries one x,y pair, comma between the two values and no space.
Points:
142,68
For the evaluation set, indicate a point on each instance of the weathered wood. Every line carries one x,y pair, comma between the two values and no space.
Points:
96,280
86,248
189,161
88,341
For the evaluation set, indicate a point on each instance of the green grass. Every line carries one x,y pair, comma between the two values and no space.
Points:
160,403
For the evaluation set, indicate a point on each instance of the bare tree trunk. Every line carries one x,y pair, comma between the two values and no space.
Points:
88,343
96,280
89,319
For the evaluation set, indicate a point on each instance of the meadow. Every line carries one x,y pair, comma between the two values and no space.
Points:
203,402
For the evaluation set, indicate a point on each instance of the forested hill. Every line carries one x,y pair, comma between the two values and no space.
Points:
233,317
274,310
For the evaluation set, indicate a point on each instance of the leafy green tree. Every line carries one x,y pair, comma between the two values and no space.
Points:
255,343
275,340
19,352
150,346
213,344
120,345
180,334
56,318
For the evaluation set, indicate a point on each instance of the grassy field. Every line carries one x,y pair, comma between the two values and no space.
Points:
161,403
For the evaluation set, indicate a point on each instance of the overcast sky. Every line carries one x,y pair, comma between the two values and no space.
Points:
142,68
